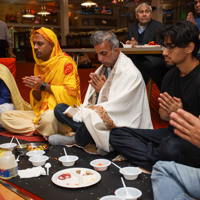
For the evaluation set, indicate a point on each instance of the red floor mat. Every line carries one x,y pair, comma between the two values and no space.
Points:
21,137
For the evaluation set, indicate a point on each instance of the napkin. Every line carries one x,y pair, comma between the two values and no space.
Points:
73,113
31,172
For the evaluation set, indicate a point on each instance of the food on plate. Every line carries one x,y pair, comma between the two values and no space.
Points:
40,147
88,179
152,43
76,178
88,172
64,176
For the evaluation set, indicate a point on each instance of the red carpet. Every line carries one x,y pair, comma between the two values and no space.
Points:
154,107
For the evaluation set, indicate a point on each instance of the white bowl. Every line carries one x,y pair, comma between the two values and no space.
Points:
35,153
127,45
9,146
135,193
110,197
100,164
68,160
38,160
130,173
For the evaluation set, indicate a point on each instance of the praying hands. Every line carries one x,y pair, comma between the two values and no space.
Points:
186,126
96,81
168,104
33,82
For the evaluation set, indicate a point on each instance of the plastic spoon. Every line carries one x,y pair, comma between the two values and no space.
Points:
120,168
11,140
128,196
19,143
17,160
47,166
65,153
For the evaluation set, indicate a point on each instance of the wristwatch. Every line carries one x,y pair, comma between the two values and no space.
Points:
43,86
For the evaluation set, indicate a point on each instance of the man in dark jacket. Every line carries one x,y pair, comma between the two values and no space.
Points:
143,32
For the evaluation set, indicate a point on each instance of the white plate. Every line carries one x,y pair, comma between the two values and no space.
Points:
76,180
147,46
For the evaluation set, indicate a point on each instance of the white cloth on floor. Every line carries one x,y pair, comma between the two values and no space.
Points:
31,172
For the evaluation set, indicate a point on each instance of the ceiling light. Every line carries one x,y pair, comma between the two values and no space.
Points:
28,14
88,4
43,11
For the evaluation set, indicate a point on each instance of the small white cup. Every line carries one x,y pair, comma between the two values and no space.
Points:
38,160
130,173
100,164
68,160
134,192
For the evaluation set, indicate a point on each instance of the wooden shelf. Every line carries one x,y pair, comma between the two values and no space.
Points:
33,25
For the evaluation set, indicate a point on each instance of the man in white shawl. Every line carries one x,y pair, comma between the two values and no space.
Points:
116,97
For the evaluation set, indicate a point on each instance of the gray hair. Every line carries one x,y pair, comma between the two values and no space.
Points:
142,4
99,37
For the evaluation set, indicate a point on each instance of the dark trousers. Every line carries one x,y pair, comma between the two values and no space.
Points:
82,135
145,147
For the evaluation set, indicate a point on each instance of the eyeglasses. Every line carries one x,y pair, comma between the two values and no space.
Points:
169,47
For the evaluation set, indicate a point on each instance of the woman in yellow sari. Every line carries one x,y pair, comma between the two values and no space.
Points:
55,81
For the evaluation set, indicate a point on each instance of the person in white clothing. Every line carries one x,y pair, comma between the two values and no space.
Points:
116,97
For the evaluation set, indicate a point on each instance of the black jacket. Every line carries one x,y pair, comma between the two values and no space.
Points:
149,35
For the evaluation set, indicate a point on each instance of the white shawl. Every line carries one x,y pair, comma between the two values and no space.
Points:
121,102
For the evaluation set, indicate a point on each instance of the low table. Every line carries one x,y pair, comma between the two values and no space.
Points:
44,188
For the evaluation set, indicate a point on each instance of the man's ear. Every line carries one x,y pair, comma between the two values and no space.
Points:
52,45
190,47
116,50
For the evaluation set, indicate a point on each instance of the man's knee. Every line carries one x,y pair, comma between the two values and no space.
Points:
161,168
114,134
170,149
59,109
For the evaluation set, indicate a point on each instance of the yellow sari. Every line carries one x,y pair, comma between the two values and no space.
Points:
60,71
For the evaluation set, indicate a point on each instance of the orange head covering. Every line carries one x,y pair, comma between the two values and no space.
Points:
60,71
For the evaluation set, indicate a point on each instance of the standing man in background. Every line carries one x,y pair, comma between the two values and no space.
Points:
143,32
5,37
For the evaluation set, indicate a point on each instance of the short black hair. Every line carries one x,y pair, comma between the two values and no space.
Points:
181,34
